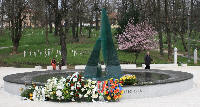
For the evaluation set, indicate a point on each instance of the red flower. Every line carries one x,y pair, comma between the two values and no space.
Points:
72,84
121,82
111,90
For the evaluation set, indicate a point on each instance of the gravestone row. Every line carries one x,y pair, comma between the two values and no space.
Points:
47,52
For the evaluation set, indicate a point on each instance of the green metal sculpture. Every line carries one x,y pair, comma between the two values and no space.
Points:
104,42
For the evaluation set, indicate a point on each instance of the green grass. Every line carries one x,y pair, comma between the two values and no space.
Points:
34,40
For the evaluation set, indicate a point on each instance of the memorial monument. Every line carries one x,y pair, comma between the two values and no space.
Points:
105,44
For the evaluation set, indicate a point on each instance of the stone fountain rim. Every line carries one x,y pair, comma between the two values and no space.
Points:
25,78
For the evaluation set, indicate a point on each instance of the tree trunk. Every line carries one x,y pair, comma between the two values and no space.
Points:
183,42
56,25
175,37
46,28
136,57
182,30
97,21
77,39
15,46
74,29
159,28
77,28
16,31
63,45
16,35
47,40
56,17
168,30
160,42
2,14
81,27
62,39
50,19
90,30
50,27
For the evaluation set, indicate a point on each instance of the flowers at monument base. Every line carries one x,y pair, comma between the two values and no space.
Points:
28,92
39,93
113,90
128,80
74,88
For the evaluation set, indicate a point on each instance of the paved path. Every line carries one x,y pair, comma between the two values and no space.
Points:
4,47
11,47
189,98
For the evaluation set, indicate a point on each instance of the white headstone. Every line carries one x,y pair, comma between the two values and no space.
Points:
195,56
57,51
49,52
175,55
24,53
35,54
60,52
40,53
45,51
30,53
56,56
74,53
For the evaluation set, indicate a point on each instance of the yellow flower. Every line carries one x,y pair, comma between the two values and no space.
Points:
108,98
31,95
66,91
31,98
21,89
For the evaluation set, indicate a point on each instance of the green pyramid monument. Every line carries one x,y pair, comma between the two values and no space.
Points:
104,43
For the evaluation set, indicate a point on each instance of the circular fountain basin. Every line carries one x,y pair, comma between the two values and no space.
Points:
152,83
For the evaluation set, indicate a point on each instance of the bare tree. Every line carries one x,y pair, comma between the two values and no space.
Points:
167,28
62,12
2,13
158,27
16,12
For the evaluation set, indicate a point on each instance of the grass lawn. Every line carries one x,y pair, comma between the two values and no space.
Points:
34,40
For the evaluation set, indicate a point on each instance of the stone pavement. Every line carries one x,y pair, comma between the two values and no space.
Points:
189,98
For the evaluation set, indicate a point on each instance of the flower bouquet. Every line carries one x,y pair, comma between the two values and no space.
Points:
128,80
113,90
80,89
28,93
72,88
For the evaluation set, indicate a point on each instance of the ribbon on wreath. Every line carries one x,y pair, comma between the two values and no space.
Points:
101,86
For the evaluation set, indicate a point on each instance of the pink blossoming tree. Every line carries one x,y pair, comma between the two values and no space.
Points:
137,38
